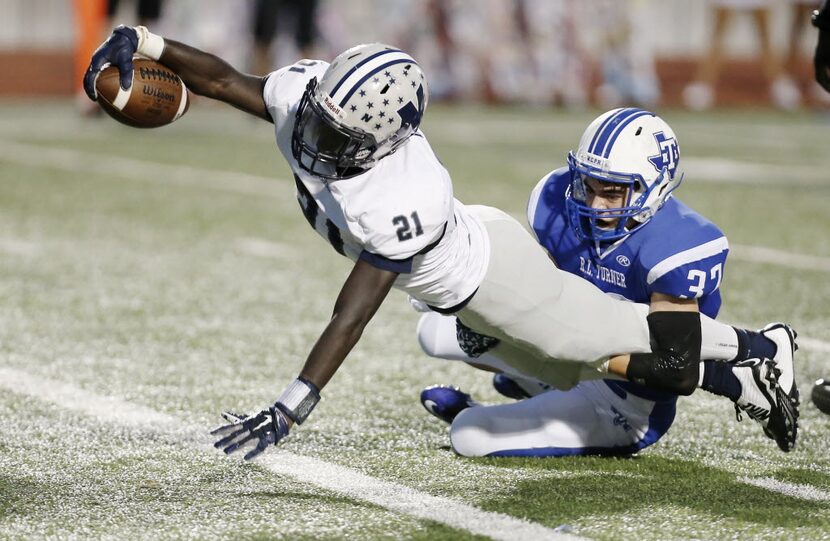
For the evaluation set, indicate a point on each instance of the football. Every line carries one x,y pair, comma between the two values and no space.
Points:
821,395
156,98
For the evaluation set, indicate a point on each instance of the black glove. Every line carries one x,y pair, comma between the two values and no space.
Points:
267,427
117,50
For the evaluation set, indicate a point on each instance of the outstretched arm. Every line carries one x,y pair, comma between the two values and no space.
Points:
210,76
360,297
204,73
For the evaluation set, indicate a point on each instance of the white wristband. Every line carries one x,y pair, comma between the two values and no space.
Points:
298,400
149,44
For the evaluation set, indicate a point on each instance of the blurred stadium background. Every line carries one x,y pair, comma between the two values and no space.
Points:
564,52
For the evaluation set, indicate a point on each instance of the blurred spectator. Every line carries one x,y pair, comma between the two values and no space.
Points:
700,94
557,44
90,21
626,56
444,81
793,64
821,57
148,12
297,16
529,51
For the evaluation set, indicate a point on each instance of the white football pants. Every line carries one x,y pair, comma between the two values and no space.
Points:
594,418
552,325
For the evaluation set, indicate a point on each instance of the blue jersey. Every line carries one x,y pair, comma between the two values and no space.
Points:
678,252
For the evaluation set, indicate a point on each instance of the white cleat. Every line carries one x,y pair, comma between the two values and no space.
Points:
763,400
784,338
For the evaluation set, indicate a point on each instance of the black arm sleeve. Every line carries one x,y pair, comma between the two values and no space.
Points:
674,363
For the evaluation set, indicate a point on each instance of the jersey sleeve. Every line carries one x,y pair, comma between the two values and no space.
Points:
286,85
537,213
546,210
405,209
396,238
693,273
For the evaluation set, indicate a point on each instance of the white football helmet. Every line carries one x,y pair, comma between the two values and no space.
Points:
368,102
627,146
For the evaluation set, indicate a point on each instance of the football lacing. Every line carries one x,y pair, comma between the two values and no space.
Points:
155,73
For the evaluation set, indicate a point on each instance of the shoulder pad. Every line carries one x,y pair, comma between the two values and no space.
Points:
676,229
287,84
547,197
405,204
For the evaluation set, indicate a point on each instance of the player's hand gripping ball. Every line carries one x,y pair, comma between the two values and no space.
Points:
821,395
156,98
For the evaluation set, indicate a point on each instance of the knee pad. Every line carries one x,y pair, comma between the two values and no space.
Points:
436,336
674,363
427,334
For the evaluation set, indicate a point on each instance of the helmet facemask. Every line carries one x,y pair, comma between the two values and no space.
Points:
326,148
626,147
588,222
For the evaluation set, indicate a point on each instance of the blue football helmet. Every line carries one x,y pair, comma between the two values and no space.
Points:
630,147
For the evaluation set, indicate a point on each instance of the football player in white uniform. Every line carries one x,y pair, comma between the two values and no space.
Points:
610,218
369,183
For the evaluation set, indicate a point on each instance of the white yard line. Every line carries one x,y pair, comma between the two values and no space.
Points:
264,248
780,258
813,344
802,492
142,170
19,247
741,172
395,497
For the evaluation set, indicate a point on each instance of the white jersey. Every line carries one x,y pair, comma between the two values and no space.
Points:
399,215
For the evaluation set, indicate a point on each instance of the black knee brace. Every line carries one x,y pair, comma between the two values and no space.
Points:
674,363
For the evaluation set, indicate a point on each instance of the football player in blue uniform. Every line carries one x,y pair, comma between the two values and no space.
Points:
610,218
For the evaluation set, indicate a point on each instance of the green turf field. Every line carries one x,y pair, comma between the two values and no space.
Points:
150,279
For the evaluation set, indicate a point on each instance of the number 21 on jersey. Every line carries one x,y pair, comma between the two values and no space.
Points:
404,230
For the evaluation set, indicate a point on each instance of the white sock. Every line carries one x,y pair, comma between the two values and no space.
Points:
719,340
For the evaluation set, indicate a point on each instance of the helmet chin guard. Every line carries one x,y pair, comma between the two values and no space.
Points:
628,147
323,146
369,101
